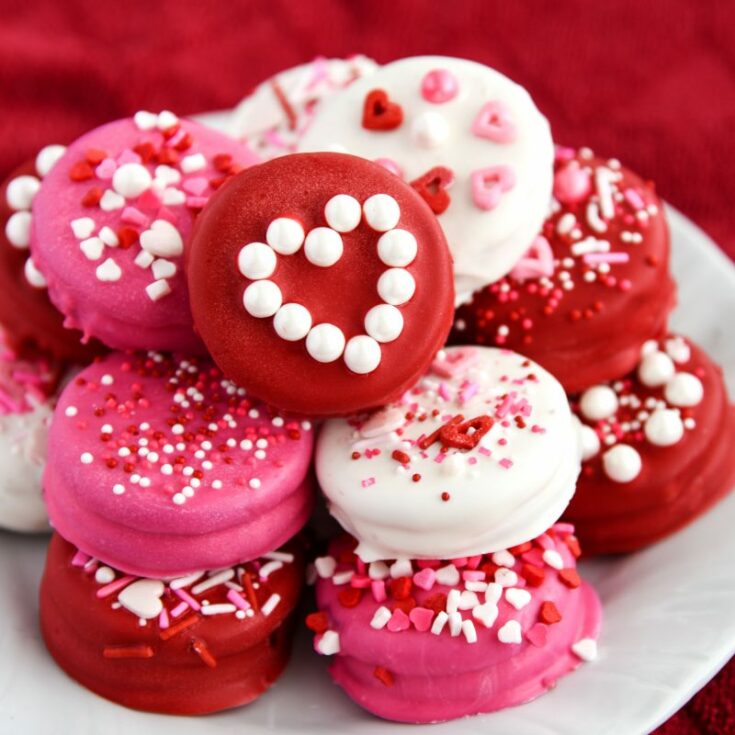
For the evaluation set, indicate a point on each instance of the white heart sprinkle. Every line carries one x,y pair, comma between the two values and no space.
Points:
145,120
111,201
82,227
194,162
131,180
510,632
93,248
553,558
586,649
166,120
448,575
517,597
109,271
163,268
143,598
487,614
108,236
329,643
162,239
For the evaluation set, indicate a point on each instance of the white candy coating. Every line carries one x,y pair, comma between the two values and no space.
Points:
262,299
47,157
381,212
384,323
343,213
256,260
430,129
131,180
285,235
622,463
362,354
18,229
684,389
292,322
397,248
21,190
396,286
664,427
598,402
323,247
655,369
325,342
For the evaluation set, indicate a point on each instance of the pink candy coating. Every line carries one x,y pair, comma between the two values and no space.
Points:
571,184
439,86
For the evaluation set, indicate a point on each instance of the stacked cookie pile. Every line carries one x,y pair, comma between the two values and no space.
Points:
192,306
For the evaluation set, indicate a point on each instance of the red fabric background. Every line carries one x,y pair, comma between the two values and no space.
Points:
650,82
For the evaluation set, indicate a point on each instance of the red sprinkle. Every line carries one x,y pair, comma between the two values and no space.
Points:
400,588
317,622
446,496
127,237
350,597
549,614
92,197
533,575
94,156
400,456
141,651
570,577
81,171
200,648
383,676
573,545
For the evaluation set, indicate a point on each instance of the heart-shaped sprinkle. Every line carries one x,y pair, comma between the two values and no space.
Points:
537,635
92,247
432,187
422,618
489,184
549,613
586,649
399,621
486,614
82,227
510,632
106,170
145,120
162,239
456,362
143,598
537,262
448,575
425,579
111,200
379,113
494,122
506,577
109,271
517,597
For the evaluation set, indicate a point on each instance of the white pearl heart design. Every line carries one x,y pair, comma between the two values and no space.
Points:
323,247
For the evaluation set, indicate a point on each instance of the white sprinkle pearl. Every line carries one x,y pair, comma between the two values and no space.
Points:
256,260
396,286
382,212
262,299
323,247
397,248
684,389
664,427
655,369
285,235
384,323
292,322
362,354
622,463
343,213
325,342
598,402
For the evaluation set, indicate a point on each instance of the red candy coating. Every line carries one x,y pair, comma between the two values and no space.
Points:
249,350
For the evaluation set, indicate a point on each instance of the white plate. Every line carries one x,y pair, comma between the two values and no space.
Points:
668,624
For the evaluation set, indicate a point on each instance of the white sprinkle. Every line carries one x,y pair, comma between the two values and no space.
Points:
283,556
448,575
220,609
401,568
254,483
380,618
179,498
86,458
586,649
267,569
342,578
553,559
82,227
517,597
510,632
104,575
71,411
439,622
506,577
325,566
503,559
329,643
455,624
118,489
181,582
158,289
468,629
270,604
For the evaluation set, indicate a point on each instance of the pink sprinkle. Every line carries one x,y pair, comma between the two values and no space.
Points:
80,559
468,392
545,542
196,185
564,529
238,600
196,202
536,429
378,590
168,215
460,562
188,599
425,579
149,200
163,619
470,575
128,156
536,635
421,617
472,460
390,165
440,457
505,463
474,561
444,392
399,621
133,216
113,587
368,482
593,258
176,138
179,610
106,169
484,451
634,199
360,581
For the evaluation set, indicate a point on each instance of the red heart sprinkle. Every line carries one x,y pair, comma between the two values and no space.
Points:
379,113
432,187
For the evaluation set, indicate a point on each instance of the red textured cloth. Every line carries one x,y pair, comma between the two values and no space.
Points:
650,82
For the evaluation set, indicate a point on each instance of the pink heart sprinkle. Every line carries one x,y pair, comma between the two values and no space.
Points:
489,184
106,169
537,262
128,156
495,123
197,185
536,635
425,579
455,362
571,183
148,200
399,621
421,617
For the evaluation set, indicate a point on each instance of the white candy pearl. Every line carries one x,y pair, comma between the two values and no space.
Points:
292,322
362,354
396,286
382,212
256,260
285,235
343,213
598,402
397,248
384,323
262,299
18,230
323,247
20,192
430,129
684,389
655,369
47,158
590,442
325,342
131,180
622,463
33,275
678,350
664,427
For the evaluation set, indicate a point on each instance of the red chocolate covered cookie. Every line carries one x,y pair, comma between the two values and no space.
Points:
658,449
192,645
320,282
594,286
31,321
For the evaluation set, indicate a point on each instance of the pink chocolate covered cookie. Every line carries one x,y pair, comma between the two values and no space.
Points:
161,466
111,221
